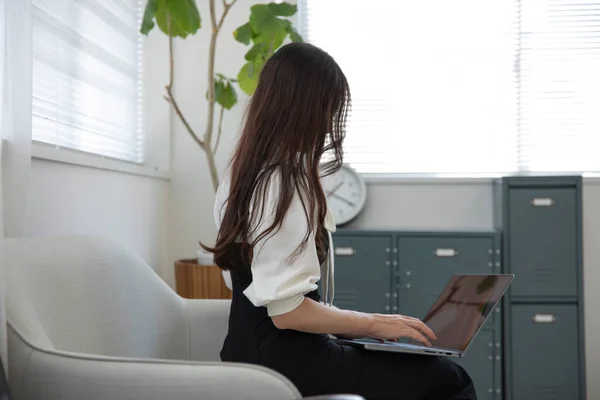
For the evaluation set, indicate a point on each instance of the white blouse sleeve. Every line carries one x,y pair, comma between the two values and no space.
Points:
278,282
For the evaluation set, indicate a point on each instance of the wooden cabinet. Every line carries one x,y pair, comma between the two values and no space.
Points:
194,281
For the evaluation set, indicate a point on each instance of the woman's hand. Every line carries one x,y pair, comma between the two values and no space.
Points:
394,327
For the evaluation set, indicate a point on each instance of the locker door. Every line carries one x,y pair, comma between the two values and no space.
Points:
363,273
427,263
481,364
545,356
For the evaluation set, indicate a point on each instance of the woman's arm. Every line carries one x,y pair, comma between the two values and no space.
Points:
280,281
313,317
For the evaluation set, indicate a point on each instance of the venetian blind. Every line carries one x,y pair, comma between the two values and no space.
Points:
87,59
465,86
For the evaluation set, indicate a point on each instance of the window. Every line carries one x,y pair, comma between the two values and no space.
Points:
466,86
87,62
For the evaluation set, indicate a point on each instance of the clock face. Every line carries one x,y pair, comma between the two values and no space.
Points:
346,194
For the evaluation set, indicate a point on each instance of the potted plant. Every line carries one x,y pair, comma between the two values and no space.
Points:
266,30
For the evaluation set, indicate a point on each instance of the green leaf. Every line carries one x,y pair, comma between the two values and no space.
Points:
294,35
259,48
225,94
275,41
264,22
219,87
243,34
148,21
283,9
185,18
227,97
248,76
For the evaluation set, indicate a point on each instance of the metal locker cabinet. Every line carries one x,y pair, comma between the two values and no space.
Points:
543,241
541,220
362,272
427,262
544,352
480,362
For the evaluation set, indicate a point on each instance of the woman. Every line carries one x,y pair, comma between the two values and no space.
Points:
274,236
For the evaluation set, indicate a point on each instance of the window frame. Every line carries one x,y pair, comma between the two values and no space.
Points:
156,127
49,152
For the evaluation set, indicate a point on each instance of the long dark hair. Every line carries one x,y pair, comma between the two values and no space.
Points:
295,117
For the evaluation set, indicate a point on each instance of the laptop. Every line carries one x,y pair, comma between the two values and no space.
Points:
456,317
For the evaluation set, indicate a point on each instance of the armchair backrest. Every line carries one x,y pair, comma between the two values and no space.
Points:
87,294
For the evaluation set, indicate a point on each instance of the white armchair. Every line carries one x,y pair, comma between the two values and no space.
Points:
90,320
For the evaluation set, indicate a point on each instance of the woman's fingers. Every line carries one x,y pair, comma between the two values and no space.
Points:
393,327
418,324
415,334
422,328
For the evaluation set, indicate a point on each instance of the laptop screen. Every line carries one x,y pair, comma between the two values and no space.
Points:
463,307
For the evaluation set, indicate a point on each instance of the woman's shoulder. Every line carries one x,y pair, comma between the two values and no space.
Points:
266,197
269,192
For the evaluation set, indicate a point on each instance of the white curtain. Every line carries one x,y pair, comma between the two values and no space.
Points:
15,127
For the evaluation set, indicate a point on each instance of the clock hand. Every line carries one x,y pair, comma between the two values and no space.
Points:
337,196
335,189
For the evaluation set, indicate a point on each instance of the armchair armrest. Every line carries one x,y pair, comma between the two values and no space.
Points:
64,376
209,321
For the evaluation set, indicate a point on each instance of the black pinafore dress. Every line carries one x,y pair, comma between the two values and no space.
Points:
318,365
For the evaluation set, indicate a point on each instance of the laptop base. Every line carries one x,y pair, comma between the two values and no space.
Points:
395,347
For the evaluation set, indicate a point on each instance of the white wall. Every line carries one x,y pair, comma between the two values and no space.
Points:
444,205
66,199
452,204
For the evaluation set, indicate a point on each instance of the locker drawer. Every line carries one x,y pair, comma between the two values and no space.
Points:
543,241
481,363
544,348
427,263
363,273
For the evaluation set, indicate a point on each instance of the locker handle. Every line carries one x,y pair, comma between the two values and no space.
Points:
344,251
542,202
543,318
445,252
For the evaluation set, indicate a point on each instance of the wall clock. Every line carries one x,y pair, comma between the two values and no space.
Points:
346,194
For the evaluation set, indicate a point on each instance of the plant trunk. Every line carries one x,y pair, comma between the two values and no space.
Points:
212,165
210,156
206,142
211,88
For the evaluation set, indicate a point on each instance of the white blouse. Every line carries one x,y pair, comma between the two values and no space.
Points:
279,283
